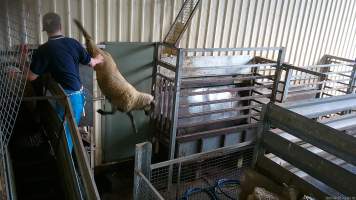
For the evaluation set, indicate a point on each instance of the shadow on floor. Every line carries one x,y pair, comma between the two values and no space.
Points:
115,181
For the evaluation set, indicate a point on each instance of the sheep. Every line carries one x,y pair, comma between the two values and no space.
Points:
120,93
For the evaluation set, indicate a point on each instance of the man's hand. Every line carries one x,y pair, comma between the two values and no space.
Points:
13,72
97,60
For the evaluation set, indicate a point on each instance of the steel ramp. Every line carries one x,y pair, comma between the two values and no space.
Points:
181,22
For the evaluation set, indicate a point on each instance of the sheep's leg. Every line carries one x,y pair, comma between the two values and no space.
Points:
103,112
132,121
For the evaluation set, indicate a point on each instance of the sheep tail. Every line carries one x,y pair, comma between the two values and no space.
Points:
89,42
81,28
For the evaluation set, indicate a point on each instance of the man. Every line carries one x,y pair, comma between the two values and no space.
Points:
60,56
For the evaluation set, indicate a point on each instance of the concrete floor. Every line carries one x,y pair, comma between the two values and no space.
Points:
115,181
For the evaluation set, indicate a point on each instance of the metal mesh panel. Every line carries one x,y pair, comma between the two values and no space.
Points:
203,176
181,22
146,189
17,31
15,54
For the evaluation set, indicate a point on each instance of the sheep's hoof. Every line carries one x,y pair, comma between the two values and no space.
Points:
100,111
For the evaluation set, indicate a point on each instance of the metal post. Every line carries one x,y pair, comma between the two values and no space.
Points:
172,144
351,86
277,77
154,70
288,76
263,126
173,132
142,164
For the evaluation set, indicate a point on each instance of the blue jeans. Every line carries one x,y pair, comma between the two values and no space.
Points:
77,100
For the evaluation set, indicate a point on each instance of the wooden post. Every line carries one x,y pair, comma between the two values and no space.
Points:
143,155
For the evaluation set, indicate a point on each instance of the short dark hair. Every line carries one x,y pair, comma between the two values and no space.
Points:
51,22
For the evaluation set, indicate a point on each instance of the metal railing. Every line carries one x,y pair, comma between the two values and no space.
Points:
319,147
179,178
18,30
83,170
332,77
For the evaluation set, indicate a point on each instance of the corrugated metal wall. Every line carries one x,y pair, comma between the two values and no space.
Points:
307,28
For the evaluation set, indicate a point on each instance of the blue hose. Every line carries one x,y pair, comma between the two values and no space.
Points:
211,191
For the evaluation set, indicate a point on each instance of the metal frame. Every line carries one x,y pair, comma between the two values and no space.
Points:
328,139
269,140
84,169
321,80
175,81
146,188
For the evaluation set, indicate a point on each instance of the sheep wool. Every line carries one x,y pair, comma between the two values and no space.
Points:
121,94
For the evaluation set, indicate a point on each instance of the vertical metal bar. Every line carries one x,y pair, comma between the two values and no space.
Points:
280,59
178,179
175,109
154,70
142,24
264,126
143,155
286,86
81,16
108,19
68,18
39,19
177,82
351,86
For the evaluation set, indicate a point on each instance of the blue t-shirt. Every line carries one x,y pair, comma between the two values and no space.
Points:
60,56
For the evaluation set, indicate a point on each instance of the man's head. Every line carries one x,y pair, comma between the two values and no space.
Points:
51,23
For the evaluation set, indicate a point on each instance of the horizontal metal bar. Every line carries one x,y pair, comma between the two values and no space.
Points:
225,100
220,120
282,175
165,77
238,89
324,106
166,65
336,72
219,81
42,98
328,65
187,114
215,132
314,165
205,155
319,135
231,67
304,70
339,58
233,49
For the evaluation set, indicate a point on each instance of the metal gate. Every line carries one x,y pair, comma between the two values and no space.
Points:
16,33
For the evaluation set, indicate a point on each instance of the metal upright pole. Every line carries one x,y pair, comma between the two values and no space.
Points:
177,81
277,77
351,86
142,164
